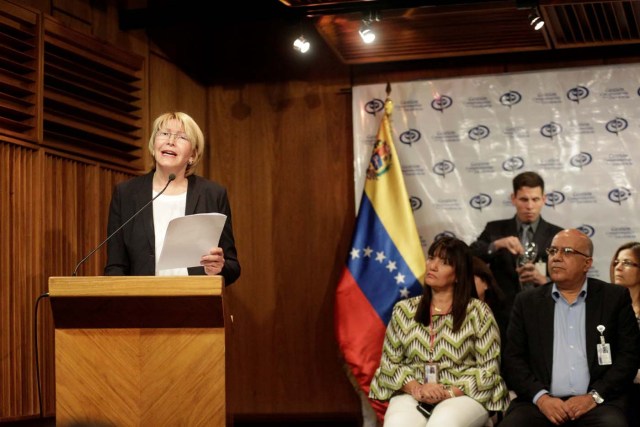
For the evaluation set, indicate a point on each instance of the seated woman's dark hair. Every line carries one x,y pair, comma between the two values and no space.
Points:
493,296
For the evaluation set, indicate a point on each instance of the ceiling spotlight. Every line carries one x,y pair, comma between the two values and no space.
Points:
535,20
301,44
367,34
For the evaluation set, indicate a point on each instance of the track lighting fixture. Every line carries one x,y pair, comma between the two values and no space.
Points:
301,44
366,32
535,20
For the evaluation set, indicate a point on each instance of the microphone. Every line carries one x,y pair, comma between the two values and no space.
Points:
75,271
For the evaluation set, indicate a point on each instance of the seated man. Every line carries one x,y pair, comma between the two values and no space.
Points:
573,346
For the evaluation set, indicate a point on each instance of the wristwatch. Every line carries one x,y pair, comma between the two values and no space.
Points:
596,397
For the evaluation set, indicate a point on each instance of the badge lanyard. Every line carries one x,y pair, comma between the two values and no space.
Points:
604,350
431,368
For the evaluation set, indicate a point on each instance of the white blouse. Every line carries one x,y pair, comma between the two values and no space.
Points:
166,208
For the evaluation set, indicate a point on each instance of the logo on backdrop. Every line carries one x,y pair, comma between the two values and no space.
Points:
587,229
619,195
441,103
479,132
554,198
510,98
416,203
445,233
374,106
578,93
551,129
380,160
410,136
616,125
513,164
480,201
443,168
581,159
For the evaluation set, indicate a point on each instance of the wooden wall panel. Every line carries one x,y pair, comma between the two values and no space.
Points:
284,153
75,198
21,277
75,219
172,90
93,97
53,212
20,62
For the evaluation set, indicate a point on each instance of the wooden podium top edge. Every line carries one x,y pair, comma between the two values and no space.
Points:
139,286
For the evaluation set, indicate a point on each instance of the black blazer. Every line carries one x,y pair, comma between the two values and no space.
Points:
528,358
132,250
502,262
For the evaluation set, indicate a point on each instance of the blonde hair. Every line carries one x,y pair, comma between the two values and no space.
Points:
191,128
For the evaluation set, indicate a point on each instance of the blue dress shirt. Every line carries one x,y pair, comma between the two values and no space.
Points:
570,375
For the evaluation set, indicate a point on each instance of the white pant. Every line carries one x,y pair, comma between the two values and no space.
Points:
460,411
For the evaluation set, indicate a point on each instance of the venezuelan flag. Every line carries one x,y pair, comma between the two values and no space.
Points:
386,262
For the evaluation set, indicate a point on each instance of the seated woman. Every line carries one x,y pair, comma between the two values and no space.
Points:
442,350
625,271
488,291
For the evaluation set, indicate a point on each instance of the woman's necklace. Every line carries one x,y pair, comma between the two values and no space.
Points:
440,310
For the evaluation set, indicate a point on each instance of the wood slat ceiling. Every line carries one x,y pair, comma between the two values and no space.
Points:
437,29
584,24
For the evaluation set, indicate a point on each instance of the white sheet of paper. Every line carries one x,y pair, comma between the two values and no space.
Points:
188,238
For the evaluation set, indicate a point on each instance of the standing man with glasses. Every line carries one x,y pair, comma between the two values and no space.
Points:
503,242
573,346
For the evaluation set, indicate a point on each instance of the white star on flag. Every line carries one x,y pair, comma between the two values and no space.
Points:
355,253
367,252
380,257
404,293
391,265
399,278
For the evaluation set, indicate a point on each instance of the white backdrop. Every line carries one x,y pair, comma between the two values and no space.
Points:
461,141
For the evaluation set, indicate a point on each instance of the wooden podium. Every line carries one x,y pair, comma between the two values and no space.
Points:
139,351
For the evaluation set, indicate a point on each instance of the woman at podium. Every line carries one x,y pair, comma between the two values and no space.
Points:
142,207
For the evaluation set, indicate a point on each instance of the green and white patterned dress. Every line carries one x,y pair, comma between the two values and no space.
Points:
468,359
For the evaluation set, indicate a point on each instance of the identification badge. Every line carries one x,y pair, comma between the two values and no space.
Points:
604,350
431,373
604,354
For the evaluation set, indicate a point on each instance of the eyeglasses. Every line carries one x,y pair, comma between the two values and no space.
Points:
553,251
163,135
625,263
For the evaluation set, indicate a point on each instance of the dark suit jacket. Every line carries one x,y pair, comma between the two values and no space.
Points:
132,250
502,262
528,358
